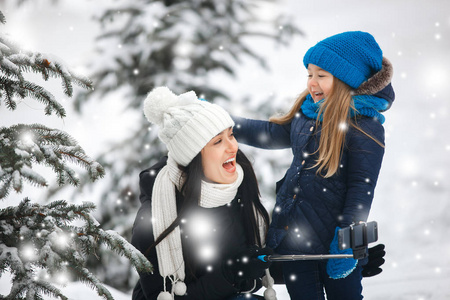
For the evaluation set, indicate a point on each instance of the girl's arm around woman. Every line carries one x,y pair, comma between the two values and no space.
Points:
262,134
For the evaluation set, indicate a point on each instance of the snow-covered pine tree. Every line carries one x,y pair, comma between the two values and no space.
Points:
41,245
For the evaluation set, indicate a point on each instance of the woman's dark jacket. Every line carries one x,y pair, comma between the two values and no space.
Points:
309,207
227,237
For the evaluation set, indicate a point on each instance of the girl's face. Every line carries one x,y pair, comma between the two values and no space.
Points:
219,158
320,82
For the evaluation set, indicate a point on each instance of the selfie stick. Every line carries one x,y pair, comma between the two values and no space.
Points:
278,257
359,251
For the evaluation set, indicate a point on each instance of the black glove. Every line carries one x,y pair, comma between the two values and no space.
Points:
372,268
246,265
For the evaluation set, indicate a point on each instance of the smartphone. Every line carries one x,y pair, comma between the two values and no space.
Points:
358,235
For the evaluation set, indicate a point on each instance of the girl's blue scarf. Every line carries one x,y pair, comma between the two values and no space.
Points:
366,105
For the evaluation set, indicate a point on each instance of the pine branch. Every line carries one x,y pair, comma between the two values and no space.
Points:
89,279
117,243
14,62
37,92
23,145
9,91
5,186
47,289
42,239
32,290
10,69
2,18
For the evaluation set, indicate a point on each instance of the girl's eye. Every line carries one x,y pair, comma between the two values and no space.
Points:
218,141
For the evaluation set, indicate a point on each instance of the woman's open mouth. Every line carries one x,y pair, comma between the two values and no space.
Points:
230,165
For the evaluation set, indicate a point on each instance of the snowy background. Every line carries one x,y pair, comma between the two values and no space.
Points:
412,199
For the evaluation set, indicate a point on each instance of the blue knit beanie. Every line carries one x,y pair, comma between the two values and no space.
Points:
352,56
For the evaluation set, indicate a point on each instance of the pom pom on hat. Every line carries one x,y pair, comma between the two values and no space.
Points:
352,56
157,103
186,124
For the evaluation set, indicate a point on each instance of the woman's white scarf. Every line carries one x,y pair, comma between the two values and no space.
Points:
164,212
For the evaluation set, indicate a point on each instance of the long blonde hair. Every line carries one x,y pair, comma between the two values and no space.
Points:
335,113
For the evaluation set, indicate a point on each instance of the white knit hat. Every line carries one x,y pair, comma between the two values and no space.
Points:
186,123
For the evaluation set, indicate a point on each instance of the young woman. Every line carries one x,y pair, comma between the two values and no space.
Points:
201,223
337,139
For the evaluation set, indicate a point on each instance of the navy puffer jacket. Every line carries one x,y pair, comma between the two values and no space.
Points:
309,207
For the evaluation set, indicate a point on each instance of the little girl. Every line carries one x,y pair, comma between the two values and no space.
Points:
337,139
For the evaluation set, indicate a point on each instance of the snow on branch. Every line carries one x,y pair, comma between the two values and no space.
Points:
23,145
15,61
118,243
40,246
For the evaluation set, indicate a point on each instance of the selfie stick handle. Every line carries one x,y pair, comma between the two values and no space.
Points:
278,257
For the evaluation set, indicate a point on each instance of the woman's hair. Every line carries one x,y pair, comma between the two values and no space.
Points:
250,196
335,115
248,190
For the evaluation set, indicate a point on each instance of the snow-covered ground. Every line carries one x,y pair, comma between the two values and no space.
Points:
412,197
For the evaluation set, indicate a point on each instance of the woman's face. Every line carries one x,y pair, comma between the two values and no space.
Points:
320,82
219,158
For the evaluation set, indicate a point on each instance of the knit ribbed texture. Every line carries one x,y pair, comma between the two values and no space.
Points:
186,124
352,56
341,267
197,132
365,105
164,211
